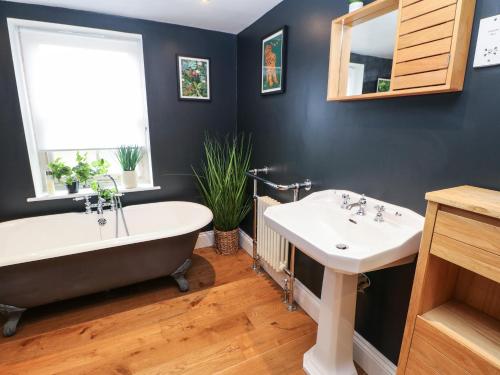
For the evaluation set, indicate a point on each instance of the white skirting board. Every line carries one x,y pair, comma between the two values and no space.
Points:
365,354
205,239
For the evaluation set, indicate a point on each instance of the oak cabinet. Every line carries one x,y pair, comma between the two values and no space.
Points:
453,323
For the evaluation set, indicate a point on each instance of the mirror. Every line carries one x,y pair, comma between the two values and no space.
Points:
394,48
372,45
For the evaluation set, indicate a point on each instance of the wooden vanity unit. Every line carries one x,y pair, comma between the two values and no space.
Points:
453,323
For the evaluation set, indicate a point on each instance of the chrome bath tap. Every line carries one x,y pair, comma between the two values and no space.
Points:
361,204
115,205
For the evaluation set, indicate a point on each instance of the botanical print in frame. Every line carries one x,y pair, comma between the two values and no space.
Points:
383,85
273,76
193,75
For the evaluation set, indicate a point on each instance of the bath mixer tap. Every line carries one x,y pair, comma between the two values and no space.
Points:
361,204
114,204
101,205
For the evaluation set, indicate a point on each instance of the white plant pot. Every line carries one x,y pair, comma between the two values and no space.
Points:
355,6
129,179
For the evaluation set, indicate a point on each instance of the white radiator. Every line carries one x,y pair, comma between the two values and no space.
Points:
271,247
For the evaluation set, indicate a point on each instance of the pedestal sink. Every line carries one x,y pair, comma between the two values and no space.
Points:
346,244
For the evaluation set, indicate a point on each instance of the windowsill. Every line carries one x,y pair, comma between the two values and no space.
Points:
87,192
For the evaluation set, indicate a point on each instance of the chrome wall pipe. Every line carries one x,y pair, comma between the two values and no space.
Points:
289,282
306,185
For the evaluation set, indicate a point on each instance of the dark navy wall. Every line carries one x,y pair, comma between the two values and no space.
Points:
177,128
394,150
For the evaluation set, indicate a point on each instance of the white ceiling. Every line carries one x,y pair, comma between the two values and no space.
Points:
376,37
231,16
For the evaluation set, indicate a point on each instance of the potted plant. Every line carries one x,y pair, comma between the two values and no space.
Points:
64,174
222,182
82,171
355,5
81,174
72,183
129,157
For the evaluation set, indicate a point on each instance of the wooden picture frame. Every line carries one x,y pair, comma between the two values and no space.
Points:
195,70
274,62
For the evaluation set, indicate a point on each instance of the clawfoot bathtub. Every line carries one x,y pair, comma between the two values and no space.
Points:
57,257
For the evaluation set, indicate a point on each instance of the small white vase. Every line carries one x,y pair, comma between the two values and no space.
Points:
129,179
355,6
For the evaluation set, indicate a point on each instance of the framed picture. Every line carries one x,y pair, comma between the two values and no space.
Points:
273,75
383,85
193,76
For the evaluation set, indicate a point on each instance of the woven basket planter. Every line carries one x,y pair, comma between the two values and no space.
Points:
227,243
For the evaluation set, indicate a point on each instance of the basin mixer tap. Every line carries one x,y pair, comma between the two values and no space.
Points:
361,204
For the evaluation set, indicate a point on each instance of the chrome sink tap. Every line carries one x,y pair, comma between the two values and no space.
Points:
346,199
379,218
361,204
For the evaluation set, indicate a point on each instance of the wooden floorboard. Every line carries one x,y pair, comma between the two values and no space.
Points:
231,322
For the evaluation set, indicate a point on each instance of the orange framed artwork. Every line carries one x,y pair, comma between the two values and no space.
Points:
273,74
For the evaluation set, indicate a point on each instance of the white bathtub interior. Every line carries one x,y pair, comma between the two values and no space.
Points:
51,236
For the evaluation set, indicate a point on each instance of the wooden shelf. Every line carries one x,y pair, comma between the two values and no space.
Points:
468,327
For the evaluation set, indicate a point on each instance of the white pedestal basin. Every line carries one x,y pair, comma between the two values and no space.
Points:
346,244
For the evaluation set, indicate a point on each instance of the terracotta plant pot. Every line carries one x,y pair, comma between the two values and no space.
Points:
129,179
227,243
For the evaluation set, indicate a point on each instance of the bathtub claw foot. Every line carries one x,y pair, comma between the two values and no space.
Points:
13,315
179,276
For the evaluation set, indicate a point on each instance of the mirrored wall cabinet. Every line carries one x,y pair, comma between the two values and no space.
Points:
400,47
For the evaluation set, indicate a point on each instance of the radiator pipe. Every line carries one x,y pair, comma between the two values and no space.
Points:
253,173
291,284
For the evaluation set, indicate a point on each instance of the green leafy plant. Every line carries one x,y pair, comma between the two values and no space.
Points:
100,167
59,169
222,180
129,157
70,179
83,170
103,192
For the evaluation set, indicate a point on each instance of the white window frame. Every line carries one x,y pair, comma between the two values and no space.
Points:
14,26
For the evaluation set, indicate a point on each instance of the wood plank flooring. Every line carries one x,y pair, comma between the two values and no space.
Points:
231,322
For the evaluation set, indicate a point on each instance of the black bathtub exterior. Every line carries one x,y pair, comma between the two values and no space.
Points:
31,284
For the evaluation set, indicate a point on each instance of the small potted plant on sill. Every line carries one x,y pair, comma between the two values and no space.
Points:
81,174
129,157
222,182
83,170
72,183
355,5
62,173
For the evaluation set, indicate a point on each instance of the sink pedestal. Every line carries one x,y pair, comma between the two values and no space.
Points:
333,352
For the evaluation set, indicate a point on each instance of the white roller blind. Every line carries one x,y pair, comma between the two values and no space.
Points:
85,90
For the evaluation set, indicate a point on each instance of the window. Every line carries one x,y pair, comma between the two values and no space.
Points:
80,89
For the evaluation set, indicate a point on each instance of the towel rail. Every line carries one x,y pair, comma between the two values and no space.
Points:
290,271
